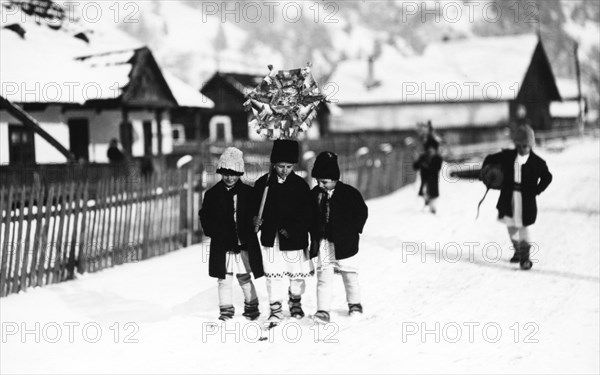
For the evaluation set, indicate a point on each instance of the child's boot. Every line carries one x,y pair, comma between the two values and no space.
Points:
321,317
276,314
525,263
295,305
251,311
517,257
226,312
355,309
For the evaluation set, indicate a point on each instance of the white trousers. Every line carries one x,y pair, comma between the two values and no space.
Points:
326,266
226,291
278,292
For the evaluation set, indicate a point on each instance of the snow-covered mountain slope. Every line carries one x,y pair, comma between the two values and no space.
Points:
438,292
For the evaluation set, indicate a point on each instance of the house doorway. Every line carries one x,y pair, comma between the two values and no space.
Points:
147,125
21,148
79,138
219,129
126,133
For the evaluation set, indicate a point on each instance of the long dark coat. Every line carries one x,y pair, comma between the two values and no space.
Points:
535,178
218,224
429,168
288,206
347,216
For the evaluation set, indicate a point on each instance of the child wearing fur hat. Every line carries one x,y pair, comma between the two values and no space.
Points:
429,164
342,214
226,217
525,175
284,228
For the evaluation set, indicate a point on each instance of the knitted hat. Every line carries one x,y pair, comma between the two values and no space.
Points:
523,134
285,150
231,162
326,166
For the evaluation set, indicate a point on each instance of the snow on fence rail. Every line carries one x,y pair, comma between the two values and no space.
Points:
49,232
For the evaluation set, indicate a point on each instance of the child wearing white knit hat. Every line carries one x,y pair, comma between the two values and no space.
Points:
231,162
226,217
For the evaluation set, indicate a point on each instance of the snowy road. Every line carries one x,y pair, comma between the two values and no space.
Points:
438,291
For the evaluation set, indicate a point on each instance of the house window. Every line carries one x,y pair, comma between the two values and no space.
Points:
178,133
147,125
79,138
220,129
21,146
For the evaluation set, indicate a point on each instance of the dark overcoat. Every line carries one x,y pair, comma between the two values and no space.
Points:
429,168
217,223
289,206
535,178
348,214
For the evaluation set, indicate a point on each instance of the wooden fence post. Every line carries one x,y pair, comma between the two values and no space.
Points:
190,205
6,242
82,256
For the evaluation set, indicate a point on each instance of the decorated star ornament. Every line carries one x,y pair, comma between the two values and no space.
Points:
284,103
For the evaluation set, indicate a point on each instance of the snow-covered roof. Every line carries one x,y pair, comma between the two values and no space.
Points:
568,88
53,66
42,66
475,69
186,95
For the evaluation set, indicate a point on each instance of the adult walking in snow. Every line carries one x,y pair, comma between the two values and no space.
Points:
525,176
429,164
284,228
342,215
226,217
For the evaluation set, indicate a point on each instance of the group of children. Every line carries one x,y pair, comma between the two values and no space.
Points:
299,230
302,229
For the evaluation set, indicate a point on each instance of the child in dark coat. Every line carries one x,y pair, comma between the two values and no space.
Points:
284,229
342,215
226,217
525,175
429,164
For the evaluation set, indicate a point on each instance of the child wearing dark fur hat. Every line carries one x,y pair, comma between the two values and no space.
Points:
429,164
342,214
525,175
284,228
226,217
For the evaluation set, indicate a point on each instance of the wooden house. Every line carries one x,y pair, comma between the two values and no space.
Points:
84,96
469,89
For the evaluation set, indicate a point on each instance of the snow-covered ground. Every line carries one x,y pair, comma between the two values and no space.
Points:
438,292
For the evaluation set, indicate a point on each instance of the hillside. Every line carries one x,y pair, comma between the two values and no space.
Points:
195,38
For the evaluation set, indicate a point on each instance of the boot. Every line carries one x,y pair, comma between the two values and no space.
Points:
226,312
517,257
276,314
251,311
525,263
295,306
355,309
321,317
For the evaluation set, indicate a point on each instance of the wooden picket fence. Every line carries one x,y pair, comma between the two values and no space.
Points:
378,173
50,232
